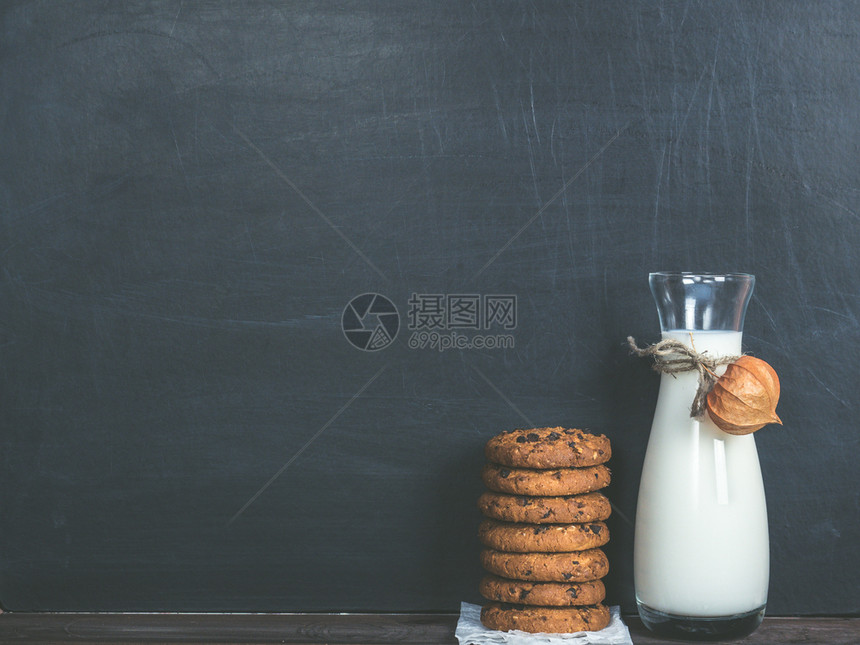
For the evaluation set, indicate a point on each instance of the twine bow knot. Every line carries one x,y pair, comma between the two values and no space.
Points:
674,357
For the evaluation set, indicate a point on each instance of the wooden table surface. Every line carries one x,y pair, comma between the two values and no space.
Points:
352,629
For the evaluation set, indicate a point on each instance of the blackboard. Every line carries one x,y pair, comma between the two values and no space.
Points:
193,192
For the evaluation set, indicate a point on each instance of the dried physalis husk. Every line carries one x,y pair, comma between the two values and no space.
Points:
744,399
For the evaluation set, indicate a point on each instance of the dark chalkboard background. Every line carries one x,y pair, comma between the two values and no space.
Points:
192,192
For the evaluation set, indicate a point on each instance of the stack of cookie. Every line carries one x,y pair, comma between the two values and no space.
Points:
545,530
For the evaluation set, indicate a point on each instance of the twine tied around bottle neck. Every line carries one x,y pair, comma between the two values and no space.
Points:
674,357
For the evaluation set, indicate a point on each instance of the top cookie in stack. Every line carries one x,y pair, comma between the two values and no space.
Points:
546,529
548,448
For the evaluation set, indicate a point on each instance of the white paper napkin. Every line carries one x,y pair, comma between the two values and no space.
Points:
470,631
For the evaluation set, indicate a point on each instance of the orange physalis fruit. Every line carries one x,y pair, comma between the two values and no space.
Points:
744,399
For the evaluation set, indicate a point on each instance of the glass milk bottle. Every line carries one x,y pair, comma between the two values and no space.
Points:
701,559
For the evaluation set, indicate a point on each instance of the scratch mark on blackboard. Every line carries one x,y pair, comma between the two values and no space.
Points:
641,57
562,360
836,313
837,204
727,145
831,392
137,32
397,260
767,313
611,79
500,114
175,18
531,155
683,125
797,272
752,65
620,514
179,157
36,207
552,199
439,137
534,115
208,323
251,243
306,444
654,227
707,146
503,397
747,190
307,201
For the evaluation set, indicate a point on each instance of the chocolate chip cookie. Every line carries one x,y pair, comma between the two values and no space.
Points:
552,620
555,594
548,448
590,507
575,566
542,538
559,481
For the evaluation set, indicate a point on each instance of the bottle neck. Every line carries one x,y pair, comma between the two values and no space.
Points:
701,301
717,343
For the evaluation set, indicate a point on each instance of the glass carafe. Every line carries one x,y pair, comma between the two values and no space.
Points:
701,553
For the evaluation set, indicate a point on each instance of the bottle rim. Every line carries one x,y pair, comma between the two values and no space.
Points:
701,301
701,274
